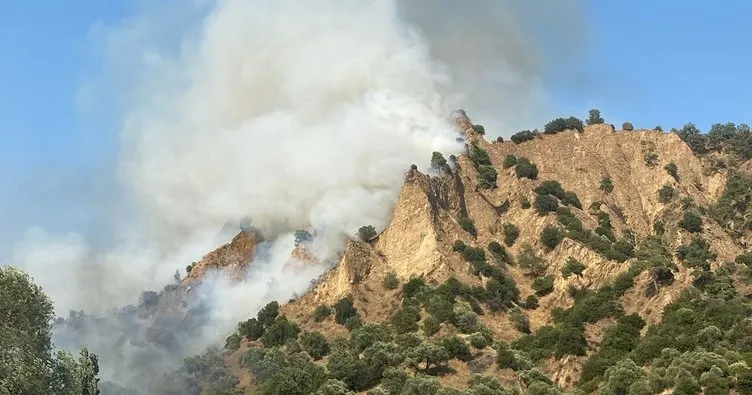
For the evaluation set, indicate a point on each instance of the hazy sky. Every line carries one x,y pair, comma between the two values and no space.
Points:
652,63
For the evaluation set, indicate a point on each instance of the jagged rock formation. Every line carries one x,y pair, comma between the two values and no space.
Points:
426,223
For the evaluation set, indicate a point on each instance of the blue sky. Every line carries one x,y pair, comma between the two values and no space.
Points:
649,62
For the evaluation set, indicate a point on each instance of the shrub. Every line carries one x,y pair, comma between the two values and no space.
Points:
666,194
531,302
528,260
520,321
391,281
405,320
468,225
302,236
479,156
477,340
440,308
606,184
568,220
321,312
487,176
551,237
545,204
526,169
280,332
412,287
673,170
232,342
251,329
561,124
550,187
658,128
511,233
594,117
457,348
691,222
315,344
479,129
344,309
431,326
498,251
367,232
571,199
509,161
521,137
627,126
524,202
438,162
573,266
543,285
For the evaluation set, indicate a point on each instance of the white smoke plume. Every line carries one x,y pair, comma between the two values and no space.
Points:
295,114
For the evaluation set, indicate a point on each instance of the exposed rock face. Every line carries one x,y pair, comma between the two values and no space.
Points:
232,257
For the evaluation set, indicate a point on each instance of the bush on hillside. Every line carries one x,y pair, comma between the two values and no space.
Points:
545,204
571,199
521,137
321,312
509,161
627,126
606,184
487,177
526,169
367,233
551,187
561,124
438,162
594,117
344,309
543,285
691,222
666,194
468,225
673,170
511,232
391,281
480,129
525,202
572,267
551,237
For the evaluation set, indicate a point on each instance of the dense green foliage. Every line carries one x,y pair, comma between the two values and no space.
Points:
367,233
509,161
627,126
607,185
526,169
561,124
594,117
511,233
468,225
487,174
28,364
521,137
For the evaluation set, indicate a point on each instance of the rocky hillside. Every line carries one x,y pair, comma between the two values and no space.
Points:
582,260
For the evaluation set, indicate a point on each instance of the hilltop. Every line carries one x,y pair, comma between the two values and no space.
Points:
582,259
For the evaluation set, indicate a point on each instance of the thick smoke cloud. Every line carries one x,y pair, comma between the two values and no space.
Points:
296,114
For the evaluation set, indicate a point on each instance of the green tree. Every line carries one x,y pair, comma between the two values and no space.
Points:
391,281
543,285
691,222
321,312
627,126
280,332
268,313
406,319
620,377
666,194
334,387
573,266
315,344
526,169
367,233
672,170
344,309
594,117
509,161
511,233
551,236
457,348
607,185
438,161
27,364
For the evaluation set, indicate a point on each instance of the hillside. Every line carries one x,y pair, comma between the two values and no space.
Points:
588,261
